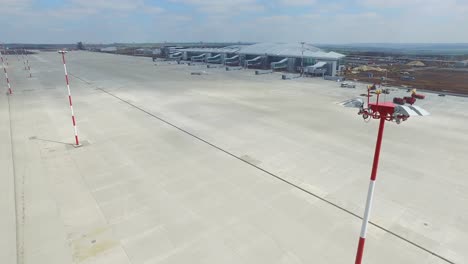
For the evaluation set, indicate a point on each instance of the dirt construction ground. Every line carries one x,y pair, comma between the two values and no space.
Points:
222,167
428,78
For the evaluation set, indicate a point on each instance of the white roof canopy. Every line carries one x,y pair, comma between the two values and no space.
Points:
290,50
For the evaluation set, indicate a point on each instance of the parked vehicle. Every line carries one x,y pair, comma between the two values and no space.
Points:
348,85
398,100
409,100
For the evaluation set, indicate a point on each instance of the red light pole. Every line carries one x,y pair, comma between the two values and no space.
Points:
384,112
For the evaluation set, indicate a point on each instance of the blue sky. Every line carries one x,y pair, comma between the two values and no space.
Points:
315,21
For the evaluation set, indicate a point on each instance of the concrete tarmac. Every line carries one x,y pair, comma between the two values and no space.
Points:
223,167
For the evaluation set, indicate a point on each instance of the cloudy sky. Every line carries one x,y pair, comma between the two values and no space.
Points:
315,21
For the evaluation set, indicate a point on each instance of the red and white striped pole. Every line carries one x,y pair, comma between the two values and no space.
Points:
24,61
77,142
29,66
370,193
6,75
386,111
6,55
383,112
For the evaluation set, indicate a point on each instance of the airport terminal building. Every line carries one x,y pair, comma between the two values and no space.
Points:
275,56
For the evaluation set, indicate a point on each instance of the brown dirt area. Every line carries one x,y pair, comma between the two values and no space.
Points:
428,78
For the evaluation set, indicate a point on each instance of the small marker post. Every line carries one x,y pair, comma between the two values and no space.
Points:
6,75
77,141
6,55
24,61
29,66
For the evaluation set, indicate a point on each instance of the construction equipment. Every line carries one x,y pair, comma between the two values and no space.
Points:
409,100
399,100
417,96
372,87
407,78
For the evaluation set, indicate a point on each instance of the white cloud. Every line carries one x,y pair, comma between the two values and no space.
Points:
422,10
331,27
297,2
389,3
114,5
14,6
215,20
153,10
222,6
440,7
65,13
122,5
14,3
274,19
76,9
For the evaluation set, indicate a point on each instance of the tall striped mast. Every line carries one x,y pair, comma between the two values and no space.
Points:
77,141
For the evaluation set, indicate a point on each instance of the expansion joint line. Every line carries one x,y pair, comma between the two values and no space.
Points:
281,179
277,177
19,219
